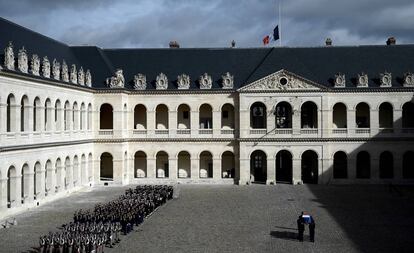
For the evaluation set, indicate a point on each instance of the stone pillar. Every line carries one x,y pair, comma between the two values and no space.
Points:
352,167
374,122
172,123
195,168
325,122
244,123
69,177
216,123
28,193
173,168
28,118
151,168
296,171
397,119
375,168
398,166
15,121
16,191
151,123
40,115
350,121
325,170
3,193
40,184
3,117
217,168
60,184
194,122
50,181
244,170
50,126
296,120
117,123
270,121
271,170
60,120
69,122
117,170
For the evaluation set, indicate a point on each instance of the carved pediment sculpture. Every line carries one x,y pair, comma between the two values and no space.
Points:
408,79
22,61
140,82
65,72
183,82
116,81
9,56
46,67
56,69
88,78
280,81
227,81
362,80
339,80
81,77
385,79
73,74
35,65
161,82
205,81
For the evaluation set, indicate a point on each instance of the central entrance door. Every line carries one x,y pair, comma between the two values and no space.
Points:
258,166
284,166
310,167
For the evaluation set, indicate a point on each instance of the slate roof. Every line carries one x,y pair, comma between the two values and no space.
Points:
318,64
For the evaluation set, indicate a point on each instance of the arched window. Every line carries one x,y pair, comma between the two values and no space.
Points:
58,115
106,117
363,169
206,165
309,167
228,165
258,166
408,115
183,117
48,115
408,165
140,117
106,168
362,116
37,112
24,114
258,116
161,117
89,120
82,125
162,166
284,169
11,113
140,165
227,116
206,117
385,115
184,165
340,165
283,115
309,115
67,116
339,117
75,116
386,165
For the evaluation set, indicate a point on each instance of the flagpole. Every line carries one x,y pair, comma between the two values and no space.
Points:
280,25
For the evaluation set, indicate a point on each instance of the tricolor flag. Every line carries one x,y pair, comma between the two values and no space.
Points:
274,36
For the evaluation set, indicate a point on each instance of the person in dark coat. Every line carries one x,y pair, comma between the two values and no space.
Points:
312,230
301,228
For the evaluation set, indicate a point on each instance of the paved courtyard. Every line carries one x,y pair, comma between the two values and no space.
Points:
257,218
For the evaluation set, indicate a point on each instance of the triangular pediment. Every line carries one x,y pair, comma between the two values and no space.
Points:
282,80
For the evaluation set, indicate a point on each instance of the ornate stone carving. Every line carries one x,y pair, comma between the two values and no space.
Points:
88,78
339,80
161,82
279,81
205,81
65,73
140,82
9,56
362,80
22,61
35,65
56,69
227,81
46,67
408,79
385,79
81,77
73,74
183,82
116,81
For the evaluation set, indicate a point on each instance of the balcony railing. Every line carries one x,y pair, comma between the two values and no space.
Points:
362,130
139,132
283,131
227,131
205,131
161,131
258,131
106,132
340,131
309,131
386,130
183,131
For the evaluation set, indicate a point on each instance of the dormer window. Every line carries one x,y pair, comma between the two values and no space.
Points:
385,79
205,81
227,81
362,80
408,79
339,80
161,82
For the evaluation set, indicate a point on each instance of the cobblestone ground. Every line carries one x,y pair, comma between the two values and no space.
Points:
257,218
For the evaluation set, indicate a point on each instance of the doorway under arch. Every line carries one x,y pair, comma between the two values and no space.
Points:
107,169
258,166
284,166
309,167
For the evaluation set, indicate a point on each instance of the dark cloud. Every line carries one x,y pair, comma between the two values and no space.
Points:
214,23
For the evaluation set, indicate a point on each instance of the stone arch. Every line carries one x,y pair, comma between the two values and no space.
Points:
82,123
13,186
227,116
48,110
26,183
206,164
258,115
258,166
408,115
76,172
140,164
283,115
140,117
386,165
83,170
37,112
161,164
49,177
106,118
184,164
309,115
24,114
362,115
58,112
408,165
228,164
385,115
340,165
205,116
161,117
89,118
284,169
68,175
67,116
90,167
309,167
60,175
363,165
106,168
339,116
183,116
11,114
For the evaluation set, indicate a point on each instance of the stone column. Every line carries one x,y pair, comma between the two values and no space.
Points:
172,123
194,123
16,191
325,170
350,121
60,184
96,171
244,123
271,170
244,170
374,122
296,124
296,171
118,170
151,168
352,167
28,118
69,176
151,123
217,168
173,168
40,115
59,123
195,168
325,122
50,181
117,123
397,119
216,123
28,187
15,121
270,121
3,193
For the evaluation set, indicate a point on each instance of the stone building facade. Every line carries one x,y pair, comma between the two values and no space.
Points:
228,116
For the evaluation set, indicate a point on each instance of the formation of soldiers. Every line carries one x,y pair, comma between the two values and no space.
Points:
93,230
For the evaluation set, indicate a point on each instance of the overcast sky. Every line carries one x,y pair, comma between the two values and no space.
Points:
213,23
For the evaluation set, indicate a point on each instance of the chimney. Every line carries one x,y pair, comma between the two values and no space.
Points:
328,42
174,44
391,41
233,44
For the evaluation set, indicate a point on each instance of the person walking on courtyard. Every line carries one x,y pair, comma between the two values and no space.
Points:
312,230
301,228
